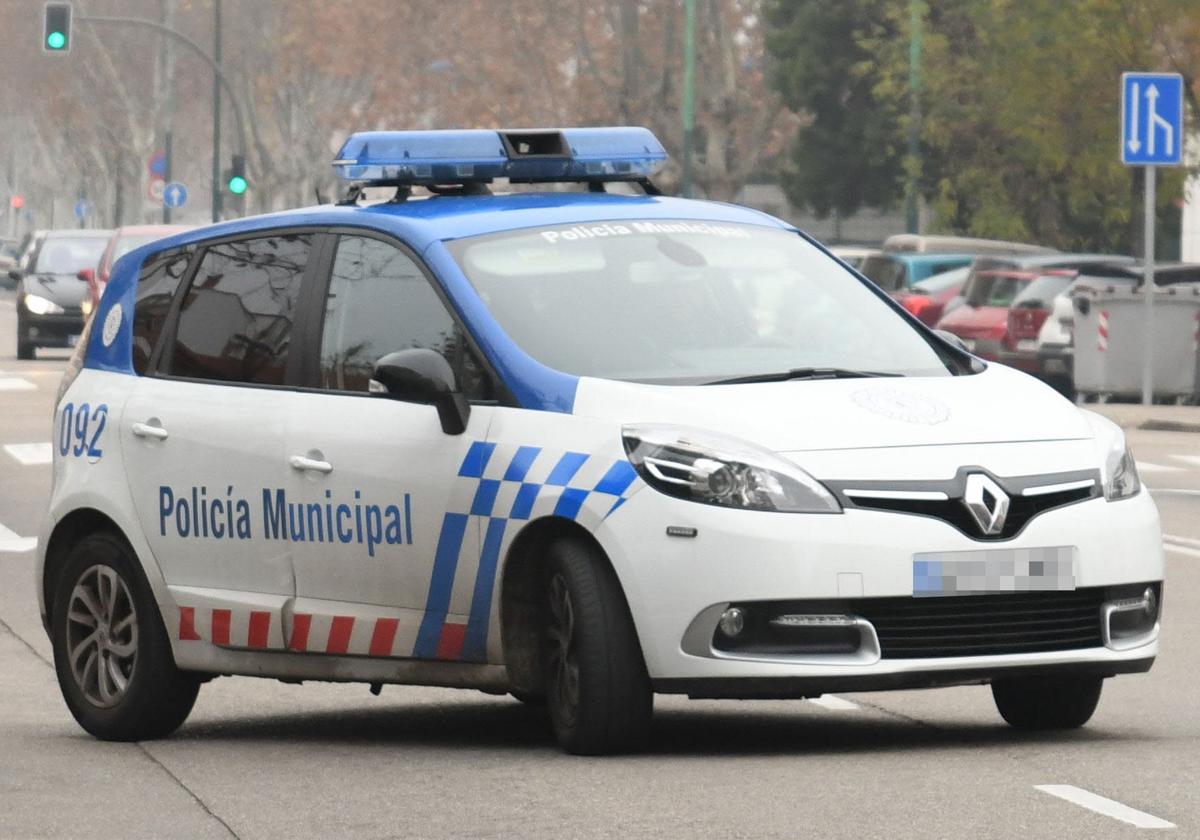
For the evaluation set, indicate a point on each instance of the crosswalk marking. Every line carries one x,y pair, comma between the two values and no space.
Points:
30,454
10,541
12,383
1105,806
833,703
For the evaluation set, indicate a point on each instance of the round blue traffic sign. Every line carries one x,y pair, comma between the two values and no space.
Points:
82,208
175,194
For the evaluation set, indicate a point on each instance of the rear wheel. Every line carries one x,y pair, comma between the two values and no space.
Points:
111,651
597,689
1047,702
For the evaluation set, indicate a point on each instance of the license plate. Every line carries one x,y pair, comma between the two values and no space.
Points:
942,573
1055,366
72,340
1026,344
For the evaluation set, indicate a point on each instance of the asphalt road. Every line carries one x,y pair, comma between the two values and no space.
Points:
260,759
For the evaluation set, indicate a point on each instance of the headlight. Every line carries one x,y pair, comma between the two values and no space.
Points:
707,467
39,305
1120,472
86,306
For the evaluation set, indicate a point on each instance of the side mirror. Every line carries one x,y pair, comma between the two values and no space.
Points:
951,339
423,376
87,275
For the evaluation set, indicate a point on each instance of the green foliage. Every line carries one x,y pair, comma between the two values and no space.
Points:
847,154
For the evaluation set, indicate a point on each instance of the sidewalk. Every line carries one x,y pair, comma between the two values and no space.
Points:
1160,418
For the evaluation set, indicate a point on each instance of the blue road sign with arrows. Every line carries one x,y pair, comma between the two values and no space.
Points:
82,208
1152,119
174,195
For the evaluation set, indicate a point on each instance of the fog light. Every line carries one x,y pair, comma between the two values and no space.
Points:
733,621
1150,602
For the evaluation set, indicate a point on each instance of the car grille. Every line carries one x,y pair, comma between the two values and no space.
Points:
984,625
953,512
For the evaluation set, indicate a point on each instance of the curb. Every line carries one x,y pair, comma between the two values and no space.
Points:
1168,426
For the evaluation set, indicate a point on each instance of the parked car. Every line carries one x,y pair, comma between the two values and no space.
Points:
49,292
1056,338
896,273
991,289
921,244
123,240
9,255
852,255
927,299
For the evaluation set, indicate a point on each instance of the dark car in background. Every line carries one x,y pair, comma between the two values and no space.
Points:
1000,287
50,294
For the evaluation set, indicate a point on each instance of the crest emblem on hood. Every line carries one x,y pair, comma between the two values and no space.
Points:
902,405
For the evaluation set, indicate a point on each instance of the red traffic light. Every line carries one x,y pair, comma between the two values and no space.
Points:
16,202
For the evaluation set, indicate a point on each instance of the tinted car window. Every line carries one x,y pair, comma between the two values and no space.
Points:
1042,291
157,283
236,321
885,272
380,302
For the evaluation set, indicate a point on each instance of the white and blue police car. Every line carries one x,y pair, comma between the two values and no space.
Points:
579,446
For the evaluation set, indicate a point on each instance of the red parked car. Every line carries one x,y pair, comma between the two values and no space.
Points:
123,240
998,321
928,299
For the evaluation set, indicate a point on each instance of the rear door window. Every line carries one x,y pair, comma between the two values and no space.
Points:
235,325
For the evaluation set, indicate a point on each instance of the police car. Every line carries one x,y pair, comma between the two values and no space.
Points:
579,446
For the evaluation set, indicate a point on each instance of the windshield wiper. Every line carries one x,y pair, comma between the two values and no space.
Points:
803,373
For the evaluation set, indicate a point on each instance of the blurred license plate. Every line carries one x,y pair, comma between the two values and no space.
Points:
994,570
72,340
1055,366
1026,344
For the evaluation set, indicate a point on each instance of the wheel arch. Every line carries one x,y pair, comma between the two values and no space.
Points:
522,578
66,533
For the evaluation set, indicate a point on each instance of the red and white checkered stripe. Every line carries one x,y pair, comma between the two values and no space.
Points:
344,635
1102,331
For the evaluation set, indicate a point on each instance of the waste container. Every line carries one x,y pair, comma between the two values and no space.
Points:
1110,336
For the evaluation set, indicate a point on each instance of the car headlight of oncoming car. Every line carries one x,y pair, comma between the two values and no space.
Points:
1120,472
714,469
39,305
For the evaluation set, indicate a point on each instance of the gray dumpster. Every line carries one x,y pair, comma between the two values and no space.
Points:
1110,334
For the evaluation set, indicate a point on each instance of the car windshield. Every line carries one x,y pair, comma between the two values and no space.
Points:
67,256
1039,293
687,302
884,271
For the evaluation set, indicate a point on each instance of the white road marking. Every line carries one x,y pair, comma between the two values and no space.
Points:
833,703
1173,491
9,541
1182,549
15,384
1107,807
30,454
1194,460
1181,540
1146,466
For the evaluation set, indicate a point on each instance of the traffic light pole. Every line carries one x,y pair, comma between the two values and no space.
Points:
216,114
218,76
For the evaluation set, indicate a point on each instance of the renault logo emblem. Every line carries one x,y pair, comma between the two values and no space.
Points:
986,502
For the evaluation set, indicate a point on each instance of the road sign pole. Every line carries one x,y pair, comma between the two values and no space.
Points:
1148,285
166,216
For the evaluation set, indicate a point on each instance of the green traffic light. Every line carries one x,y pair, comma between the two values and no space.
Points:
237,185
56,40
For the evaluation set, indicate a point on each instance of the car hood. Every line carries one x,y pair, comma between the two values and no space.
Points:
67,290
999,405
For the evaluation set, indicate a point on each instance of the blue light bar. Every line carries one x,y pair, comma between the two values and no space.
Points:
475,156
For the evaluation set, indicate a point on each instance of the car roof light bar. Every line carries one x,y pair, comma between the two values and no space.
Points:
471,157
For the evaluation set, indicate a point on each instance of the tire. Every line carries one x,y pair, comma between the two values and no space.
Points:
597,690
141,695
1047,702
25,351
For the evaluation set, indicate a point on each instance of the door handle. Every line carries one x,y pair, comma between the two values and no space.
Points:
149,430
300,462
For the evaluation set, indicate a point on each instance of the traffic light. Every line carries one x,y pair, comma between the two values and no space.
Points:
237,182
56,34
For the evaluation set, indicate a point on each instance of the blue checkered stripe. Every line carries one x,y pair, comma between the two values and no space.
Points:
507,483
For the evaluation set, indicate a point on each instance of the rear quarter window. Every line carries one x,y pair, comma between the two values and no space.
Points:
159,279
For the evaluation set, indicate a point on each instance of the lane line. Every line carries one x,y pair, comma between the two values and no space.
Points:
30,454
9,541
1107,807
1172,491
1182,549
1146,466
1181,540
1194,460
15,384
834,703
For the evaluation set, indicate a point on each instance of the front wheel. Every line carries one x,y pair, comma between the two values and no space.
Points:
597,689
111,651
1047,702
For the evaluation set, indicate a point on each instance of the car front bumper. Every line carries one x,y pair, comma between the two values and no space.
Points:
61,330
678,587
